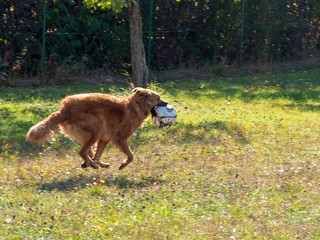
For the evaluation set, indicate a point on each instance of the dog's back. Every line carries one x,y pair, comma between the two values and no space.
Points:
80,106
88,115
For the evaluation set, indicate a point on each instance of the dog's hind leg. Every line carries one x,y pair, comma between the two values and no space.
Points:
101,146
124,147
85,152
91,153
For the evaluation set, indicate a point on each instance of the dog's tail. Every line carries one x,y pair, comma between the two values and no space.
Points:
43,131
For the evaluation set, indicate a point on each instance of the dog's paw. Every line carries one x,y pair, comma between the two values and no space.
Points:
104,165
94,165
84,165
122,166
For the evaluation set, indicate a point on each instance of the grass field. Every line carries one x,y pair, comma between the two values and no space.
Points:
242,162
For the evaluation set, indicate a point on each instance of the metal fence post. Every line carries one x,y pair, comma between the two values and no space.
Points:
43,41
150,34
242,27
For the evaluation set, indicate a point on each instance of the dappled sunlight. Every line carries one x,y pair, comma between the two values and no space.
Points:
298,87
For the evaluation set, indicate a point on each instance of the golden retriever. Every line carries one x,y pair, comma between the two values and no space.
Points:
98,118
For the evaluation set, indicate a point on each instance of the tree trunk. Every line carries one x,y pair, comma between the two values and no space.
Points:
140,73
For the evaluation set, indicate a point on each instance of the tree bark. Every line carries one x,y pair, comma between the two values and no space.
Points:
140,73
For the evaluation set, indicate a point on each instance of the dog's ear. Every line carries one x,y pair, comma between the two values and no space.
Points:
143,94
137,89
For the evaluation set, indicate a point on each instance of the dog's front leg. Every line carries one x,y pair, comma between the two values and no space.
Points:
124,147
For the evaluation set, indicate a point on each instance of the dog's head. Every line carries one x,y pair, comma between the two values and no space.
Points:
148,97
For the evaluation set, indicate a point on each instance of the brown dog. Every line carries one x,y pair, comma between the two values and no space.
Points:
98,118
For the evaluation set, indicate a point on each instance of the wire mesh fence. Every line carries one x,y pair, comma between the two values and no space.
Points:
190,32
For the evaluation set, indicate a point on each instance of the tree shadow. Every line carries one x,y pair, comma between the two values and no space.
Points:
301,107
188,135
296,87
81,182
56,93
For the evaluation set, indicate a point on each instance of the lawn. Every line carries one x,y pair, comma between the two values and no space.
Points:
242,162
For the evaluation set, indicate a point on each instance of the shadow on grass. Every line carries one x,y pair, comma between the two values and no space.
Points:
206,130
81,182
302,107
56,94
297,87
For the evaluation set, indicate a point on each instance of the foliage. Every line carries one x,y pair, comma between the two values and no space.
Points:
75,34
192,31
86,36
3,70
21,32
116,5
242,162
185,32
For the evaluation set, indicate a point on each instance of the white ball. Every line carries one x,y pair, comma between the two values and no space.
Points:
164,116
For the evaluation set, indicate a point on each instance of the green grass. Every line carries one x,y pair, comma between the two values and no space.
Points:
242,162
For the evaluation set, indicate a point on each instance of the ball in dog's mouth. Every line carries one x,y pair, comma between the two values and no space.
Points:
163,116
161,103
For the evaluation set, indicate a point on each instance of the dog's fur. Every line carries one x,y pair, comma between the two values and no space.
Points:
98,118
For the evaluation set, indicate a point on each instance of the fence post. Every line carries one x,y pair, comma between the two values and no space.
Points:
242,27
150,34
43,41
